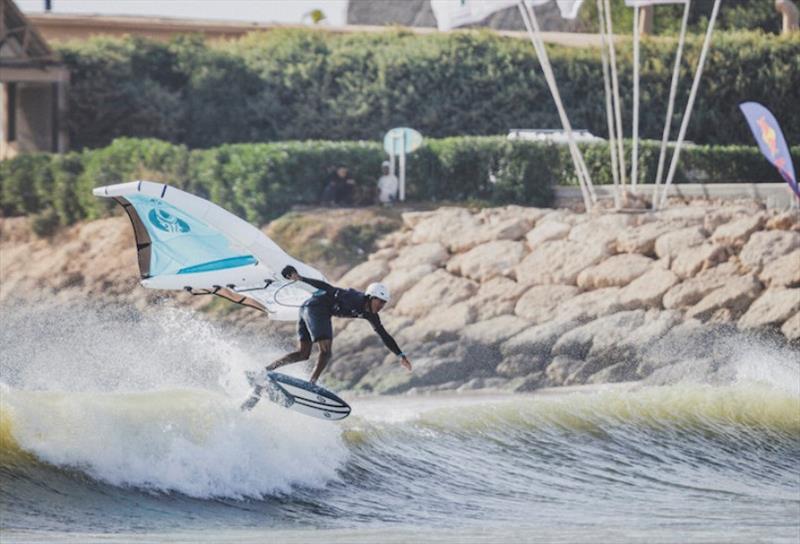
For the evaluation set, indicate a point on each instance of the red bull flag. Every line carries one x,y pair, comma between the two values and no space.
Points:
770,140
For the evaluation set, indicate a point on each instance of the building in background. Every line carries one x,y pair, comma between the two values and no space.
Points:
33,88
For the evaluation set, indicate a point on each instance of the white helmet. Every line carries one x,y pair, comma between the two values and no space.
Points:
379,290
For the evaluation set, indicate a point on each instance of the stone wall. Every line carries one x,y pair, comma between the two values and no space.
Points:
520,298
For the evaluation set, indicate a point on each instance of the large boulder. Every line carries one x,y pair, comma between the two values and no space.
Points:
784,221
494,331
512,228
670,244
656,325
496,297
589,305
623,371
602,230
633,331
766,246
364,274
537,340
692,260
347,370
783,271
605,331
647,290
432,253
791,329
389,378
547,231
558,262
412,219
539,303
442,225
385,254
680,342
717,216
438,289
772,308
735,296
692,291
561,368
686,216
395,240
625,348
488,260
522,365
442,324
737,232
402,279
616,271
500,214
563,216
642,239
688,371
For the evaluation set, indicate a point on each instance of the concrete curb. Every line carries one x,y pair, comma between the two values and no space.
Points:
773,195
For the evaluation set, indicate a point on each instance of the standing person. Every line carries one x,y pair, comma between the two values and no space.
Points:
387,185
314,325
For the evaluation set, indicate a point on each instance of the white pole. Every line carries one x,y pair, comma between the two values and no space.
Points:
394,157
403,169
635,128
615,87
609,107
532,26
673,165
673,89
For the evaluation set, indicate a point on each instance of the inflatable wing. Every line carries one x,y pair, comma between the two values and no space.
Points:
185,242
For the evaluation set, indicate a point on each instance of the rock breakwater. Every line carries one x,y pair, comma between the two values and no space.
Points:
521,298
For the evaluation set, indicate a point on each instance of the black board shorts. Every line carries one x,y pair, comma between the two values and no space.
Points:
314,323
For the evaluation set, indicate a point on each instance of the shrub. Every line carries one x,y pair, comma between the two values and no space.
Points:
45,222
312,85
262,181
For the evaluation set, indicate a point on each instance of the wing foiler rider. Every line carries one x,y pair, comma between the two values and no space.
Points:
314,325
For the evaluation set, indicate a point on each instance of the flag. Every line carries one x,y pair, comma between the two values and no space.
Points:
770,140
455,13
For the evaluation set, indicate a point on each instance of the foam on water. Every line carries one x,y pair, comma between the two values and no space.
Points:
193,442
151,401
776,368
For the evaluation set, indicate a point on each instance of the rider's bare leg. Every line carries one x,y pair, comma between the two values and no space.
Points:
302,354
325,354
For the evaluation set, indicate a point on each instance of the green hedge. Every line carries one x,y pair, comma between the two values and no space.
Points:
262,181
304,84
737,15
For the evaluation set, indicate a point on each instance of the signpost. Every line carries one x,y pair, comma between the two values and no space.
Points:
397,143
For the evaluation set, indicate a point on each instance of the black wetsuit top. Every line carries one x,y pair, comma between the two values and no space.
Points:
350,303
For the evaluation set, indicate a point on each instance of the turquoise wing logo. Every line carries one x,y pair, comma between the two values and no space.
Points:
166,221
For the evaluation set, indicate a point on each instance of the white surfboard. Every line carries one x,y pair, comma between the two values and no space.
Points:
301,396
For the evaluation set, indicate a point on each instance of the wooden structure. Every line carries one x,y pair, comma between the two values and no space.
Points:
33,88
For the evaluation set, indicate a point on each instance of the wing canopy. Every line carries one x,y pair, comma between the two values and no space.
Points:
186,242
